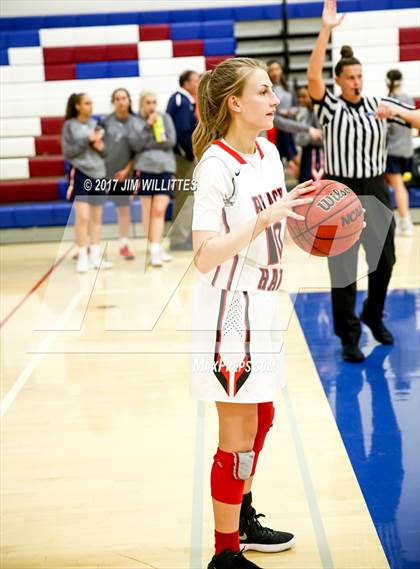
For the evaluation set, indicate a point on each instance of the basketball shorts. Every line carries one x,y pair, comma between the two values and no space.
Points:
236,345
86,189
398,165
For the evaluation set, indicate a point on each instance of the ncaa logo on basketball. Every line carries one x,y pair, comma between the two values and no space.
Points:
352,216
329,201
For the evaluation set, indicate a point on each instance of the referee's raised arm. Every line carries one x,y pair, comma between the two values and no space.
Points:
330,19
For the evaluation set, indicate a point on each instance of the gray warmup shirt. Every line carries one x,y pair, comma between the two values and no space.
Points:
286,102
308,118
400,138
118,150
151,156
78,150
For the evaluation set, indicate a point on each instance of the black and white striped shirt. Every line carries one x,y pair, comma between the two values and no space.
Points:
354,140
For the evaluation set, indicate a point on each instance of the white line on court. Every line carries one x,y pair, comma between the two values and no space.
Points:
197,501
197,498
36,359
320,535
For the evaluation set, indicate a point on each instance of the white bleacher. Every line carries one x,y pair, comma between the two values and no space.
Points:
379,37
25,56
89,35
379,89
155,49
14,169
171,66
56,89
56,107
21,74
371,19
17,126
372,54
17,147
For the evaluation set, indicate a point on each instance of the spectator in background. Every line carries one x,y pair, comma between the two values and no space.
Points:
83,146
182,109
282,120
312,157
153,138
400,157
119,162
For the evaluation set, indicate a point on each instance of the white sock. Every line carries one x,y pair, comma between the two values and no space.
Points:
154,248
123,241
83,251
95,251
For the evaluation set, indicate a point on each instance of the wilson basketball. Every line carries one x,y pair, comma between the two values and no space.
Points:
333,221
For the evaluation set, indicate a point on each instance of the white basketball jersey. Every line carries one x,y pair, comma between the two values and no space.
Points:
231,189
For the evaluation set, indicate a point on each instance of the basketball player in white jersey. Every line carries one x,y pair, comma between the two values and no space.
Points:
240,211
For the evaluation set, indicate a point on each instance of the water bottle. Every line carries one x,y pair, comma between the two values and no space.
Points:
159,130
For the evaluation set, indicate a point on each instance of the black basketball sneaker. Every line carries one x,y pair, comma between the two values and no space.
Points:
252,535
228,559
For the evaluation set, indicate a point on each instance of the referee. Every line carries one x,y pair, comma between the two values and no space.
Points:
355,129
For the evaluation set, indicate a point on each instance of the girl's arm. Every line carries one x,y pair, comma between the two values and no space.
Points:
122,174
330,19
73,144
212,249
388,111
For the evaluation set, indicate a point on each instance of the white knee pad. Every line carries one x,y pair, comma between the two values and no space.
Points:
242,464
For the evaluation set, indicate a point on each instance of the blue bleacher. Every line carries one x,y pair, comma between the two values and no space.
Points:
4,57
186,31
31,24
219,46
123,69
53,214
25,38
220,29
104,69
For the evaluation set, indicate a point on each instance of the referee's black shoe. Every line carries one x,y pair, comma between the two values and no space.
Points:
253,535
379,330
352,353
228,559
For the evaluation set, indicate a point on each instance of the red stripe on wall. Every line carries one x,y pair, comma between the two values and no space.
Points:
410,52
60,72
213,60
154,32
409,35
185,48
52,125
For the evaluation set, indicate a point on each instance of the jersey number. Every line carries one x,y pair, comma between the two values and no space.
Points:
274,243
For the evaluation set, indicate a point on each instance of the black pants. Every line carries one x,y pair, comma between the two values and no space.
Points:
378,242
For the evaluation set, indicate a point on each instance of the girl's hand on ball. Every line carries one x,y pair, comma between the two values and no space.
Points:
284,207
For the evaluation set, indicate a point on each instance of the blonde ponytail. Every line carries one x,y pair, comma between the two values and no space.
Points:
225,80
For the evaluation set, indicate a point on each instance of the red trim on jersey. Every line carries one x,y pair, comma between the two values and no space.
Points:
280,279
216,274
243,373
230,151
235,258
221,372
259,150
225,223
232,272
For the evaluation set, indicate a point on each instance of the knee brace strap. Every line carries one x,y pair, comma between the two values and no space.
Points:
265,422
228,475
